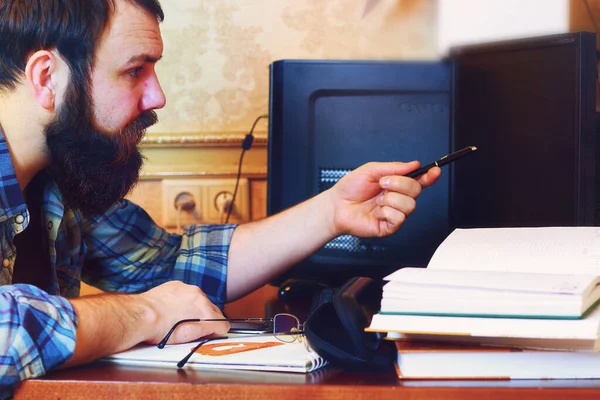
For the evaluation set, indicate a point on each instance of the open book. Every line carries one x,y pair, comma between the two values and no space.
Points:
525,287
504,272
238,352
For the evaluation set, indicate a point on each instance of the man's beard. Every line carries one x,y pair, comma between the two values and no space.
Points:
93,170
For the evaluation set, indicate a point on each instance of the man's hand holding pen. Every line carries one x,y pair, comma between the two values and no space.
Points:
375,199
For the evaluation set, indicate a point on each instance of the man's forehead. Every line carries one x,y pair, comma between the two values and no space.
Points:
132,32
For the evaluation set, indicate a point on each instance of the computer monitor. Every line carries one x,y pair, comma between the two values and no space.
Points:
328,118
529,107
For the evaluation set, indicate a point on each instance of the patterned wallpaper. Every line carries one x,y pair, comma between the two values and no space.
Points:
215,69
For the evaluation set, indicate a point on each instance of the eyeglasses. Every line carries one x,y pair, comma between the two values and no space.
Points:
286,328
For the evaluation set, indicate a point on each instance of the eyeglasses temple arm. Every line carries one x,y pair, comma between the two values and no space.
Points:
181,363
163,342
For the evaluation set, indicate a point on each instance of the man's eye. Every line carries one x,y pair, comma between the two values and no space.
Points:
135,72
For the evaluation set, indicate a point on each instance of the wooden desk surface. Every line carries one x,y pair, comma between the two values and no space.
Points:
106,381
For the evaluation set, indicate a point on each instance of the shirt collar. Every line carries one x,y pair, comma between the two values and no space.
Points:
12,201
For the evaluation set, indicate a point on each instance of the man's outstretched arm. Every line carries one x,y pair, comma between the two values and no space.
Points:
371,201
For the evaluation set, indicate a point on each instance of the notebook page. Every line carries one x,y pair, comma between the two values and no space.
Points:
560,250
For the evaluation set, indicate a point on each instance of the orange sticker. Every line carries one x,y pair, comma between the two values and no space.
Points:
223,349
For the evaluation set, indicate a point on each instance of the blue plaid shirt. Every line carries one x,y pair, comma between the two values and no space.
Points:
122,250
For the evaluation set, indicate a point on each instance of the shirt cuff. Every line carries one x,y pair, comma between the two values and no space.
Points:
202,259
39,329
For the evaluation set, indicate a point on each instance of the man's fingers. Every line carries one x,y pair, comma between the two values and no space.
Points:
381,169
401,202
401,184
430,177
390,219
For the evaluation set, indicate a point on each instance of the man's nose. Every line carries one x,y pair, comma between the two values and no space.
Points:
153,97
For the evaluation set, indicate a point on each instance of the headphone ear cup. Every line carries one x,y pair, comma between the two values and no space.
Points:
330,340
355,315
335,330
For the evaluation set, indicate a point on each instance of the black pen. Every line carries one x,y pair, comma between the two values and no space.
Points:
442,161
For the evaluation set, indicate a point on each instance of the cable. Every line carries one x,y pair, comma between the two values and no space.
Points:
222,209
237,181
246,144
222,204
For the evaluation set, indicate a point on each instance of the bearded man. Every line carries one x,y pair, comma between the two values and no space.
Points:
78,88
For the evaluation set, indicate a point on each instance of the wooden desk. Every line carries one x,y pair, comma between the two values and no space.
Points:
106,381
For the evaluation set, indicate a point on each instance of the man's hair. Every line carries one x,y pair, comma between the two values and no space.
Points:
73,27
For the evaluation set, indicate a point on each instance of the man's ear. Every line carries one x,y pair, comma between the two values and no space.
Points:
38,74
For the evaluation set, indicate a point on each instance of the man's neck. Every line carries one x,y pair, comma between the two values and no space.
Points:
24,136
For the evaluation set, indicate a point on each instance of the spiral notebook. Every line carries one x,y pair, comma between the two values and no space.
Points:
241,352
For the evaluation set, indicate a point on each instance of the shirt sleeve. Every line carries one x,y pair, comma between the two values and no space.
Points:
37,334
128,252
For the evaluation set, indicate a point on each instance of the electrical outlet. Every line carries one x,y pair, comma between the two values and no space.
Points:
210,198
218,192
223,201
185,189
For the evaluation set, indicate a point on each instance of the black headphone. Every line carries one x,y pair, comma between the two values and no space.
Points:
336,329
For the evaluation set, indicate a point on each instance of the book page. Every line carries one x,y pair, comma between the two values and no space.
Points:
559,250
409,281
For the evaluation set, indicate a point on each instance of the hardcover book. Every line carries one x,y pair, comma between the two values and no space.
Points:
445,361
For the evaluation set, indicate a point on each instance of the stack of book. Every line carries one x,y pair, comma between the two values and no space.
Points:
500,303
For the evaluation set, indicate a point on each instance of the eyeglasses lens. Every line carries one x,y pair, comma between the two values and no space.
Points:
285,326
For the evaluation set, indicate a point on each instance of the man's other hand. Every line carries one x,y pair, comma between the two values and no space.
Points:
174,301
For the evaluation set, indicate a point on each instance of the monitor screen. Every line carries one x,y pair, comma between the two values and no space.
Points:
328,118
529,107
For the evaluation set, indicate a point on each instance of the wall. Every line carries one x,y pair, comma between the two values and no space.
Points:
217,52
475,21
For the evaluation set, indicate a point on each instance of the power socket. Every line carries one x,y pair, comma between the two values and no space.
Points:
210,196
174,189
223,201
218,191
